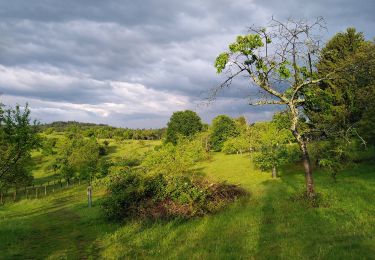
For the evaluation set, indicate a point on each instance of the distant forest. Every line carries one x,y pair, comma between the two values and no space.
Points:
104,131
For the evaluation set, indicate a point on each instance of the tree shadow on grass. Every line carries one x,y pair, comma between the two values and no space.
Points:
60,232
218,236
292,229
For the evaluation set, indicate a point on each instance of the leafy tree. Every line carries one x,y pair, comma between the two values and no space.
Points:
273,146
18,137
335,154
185,123
279,60
103,167
238,145
66,171
176,160
241,123
223,128
48,146
168,160
78,155
342,110
335,107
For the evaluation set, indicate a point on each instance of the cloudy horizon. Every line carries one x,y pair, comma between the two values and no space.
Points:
132,64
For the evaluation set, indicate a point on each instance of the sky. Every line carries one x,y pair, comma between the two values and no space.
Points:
133,63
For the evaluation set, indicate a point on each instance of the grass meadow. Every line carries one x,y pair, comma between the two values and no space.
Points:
273,223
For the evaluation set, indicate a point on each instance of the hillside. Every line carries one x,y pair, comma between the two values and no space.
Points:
272,223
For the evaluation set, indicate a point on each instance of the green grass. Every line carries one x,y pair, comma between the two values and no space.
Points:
269,224
116,149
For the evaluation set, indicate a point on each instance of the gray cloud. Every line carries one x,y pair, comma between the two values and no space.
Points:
133,63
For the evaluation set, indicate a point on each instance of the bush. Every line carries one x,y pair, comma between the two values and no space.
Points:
127,194
139,195
177,159
236,145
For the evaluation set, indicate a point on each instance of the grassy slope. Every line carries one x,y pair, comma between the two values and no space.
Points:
267,225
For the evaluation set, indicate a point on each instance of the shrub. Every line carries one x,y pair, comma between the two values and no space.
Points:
127,194
153,196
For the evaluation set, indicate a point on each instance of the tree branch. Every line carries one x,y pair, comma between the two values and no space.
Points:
267,102
303,84
266,87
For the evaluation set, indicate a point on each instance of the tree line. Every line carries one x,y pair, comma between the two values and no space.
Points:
103,131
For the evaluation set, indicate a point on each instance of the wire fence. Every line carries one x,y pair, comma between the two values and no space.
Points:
35,191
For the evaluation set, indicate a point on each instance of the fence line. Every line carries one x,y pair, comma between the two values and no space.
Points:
35,191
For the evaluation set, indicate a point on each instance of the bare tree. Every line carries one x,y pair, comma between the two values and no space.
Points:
279,60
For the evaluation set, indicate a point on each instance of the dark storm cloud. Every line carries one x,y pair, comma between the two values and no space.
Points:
133,63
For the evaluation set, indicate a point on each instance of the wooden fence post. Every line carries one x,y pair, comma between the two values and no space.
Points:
36,192
89,195
45,190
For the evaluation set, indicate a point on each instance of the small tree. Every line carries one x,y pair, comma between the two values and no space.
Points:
78,155
18,137
273,146
223,128
238,145
185,123
279,60
176,160
66,171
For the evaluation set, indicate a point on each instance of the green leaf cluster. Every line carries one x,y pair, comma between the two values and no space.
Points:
244,45
183,124
221,62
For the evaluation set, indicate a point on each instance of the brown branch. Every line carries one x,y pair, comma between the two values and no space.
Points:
303,84
266,87
267,102
226,83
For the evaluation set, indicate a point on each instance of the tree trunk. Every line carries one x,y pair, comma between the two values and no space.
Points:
308,173
305,154
306,165
274,172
